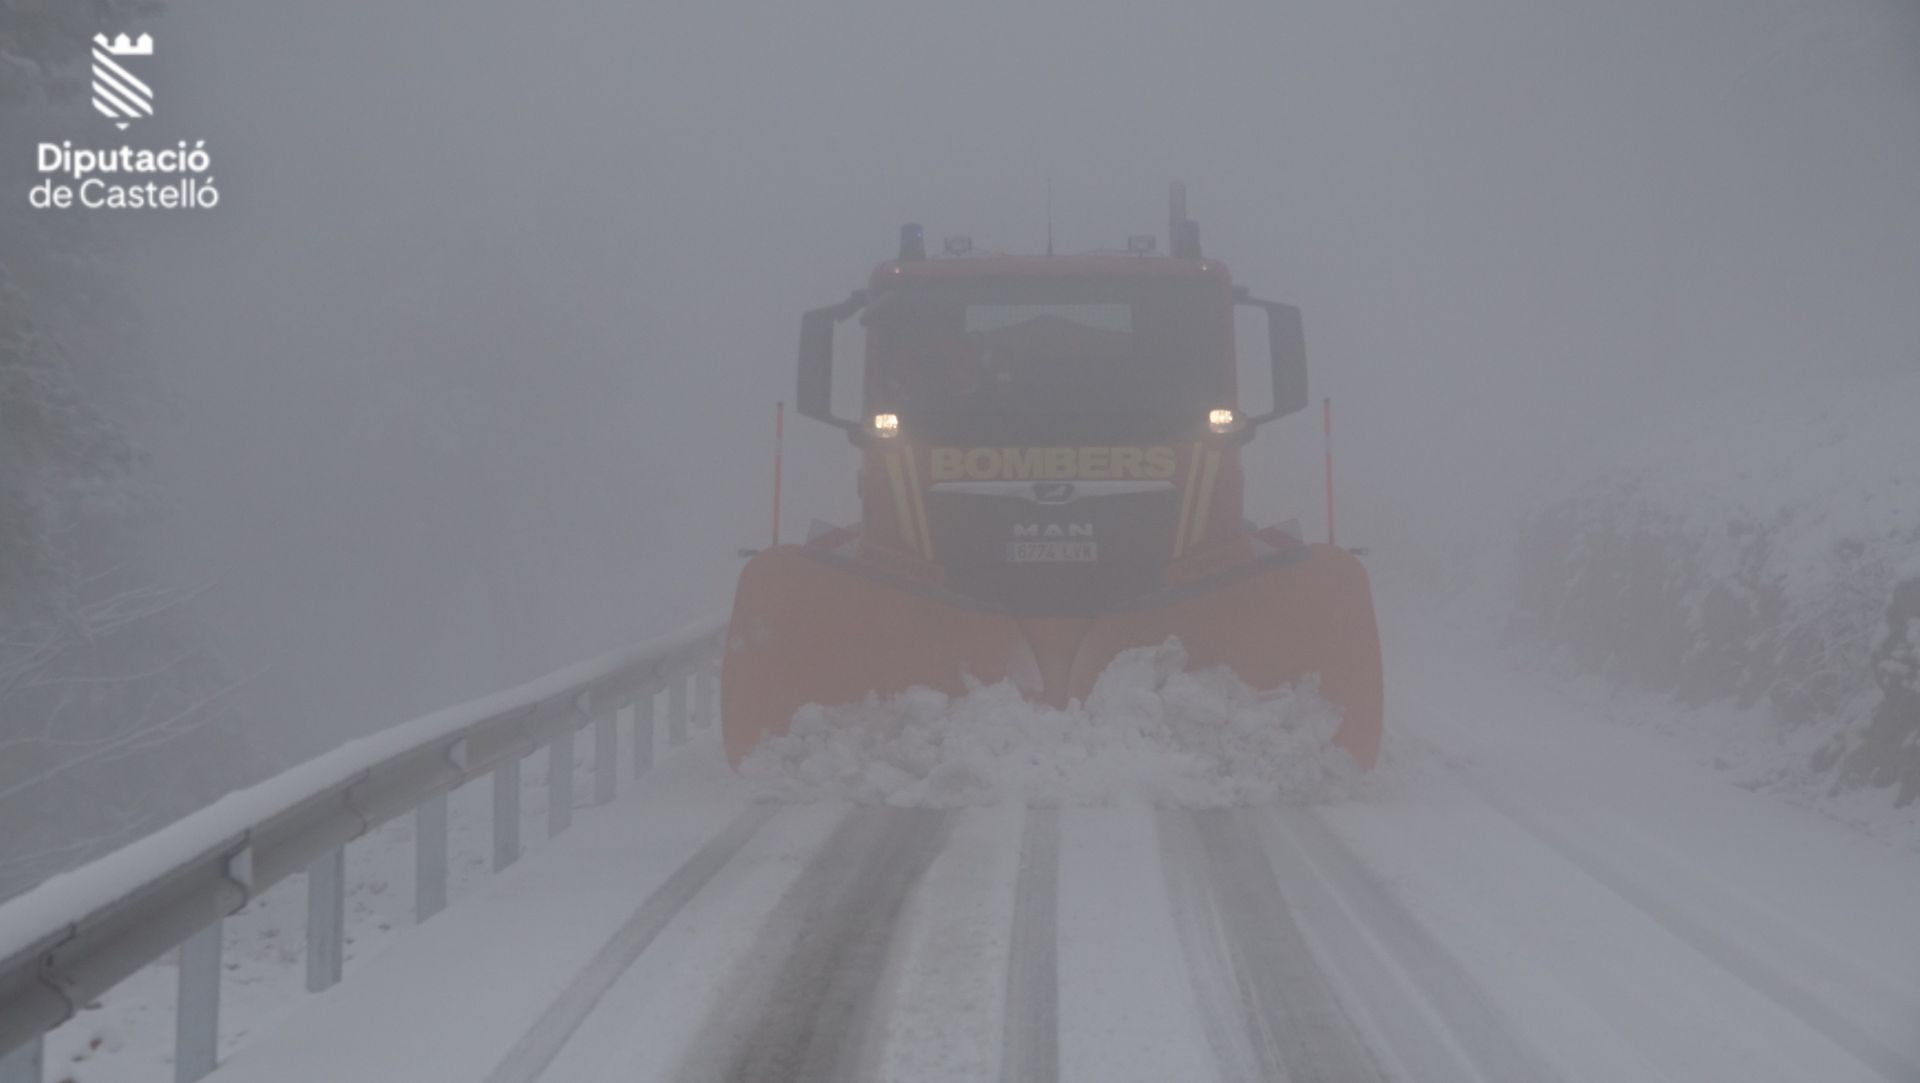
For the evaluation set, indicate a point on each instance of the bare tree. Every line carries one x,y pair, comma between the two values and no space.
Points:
114,714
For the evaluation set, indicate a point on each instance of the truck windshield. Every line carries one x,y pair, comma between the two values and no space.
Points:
957,351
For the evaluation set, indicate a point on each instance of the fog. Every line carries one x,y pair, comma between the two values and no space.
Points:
472,372
471,377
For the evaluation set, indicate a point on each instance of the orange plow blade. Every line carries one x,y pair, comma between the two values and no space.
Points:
806,630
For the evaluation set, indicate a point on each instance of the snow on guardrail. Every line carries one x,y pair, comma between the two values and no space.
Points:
76,935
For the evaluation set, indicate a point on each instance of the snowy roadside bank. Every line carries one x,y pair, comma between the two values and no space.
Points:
1745,562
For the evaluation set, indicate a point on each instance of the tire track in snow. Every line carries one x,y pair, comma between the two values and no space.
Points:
1759,975
1249,961
536,1049
801,1006
1030,1025
1397,962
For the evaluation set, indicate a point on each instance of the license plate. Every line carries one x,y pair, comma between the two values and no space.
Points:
1048,552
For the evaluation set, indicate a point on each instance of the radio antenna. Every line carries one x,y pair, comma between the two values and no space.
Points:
1049,216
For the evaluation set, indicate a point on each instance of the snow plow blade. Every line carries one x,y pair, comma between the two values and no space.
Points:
807,629
1272,624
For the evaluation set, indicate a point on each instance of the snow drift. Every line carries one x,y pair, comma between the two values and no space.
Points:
1150,732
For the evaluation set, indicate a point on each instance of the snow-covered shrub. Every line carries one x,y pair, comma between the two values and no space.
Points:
1749,553
1886,752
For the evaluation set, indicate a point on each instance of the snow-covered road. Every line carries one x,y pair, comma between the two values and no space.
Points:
1525,894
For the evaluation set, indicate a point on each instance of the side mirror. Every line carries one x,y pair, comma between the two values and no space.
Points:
814,396
1287,342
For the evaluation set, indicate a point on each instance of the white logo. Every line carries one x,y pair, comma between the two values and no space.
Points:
118,94
124,177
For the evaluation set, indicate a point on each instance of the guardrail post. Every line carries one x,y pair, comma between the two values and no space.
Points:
606,757
430,857
506,814
196,1018
677,710
326,920
643,732
25,1064
560,782
706,695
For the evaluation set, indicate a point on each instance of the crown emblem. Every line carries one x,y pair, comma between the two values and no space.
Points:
121,45
118,94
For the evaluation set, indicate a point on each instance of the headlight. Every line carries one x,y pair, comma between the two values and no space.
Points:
886,424
1223,421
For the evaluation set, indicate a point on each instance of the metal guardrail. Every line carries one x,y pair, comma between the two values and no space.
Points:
70,940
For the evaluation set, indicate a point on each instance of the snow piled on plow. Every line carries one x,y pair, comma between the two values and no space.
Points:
1150,733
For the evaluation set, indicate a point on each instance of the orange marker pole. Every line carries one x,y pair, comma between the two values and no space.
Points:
1326,415
779,438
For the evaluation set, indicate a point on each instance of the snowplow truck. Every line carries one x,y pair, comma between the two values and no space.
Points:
1050,474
